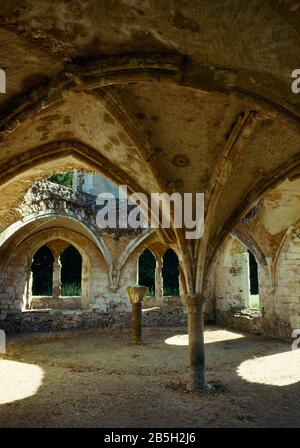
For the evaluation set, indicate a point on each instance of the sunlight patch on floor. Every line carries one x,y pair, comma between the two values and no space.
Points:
281,369
178,339
209,337
18,380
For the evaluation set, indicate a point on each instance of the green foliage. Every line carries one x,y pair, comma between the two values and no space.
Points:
170,272
254,301
42,269
65,179
71,289
71,265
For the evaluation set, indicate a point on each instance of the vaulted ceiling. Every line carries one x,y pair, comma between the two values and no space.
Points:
189,96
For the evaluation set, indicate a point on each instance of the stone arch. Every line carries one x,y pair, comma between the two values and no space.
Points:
71,271
146,270
258,92
157,67
133,245
253,274
227,284
283,242
129,250
170,273
71,153
85,154
41,216
73,238
94,274
253,247
42,272
76,153
285,301
289,170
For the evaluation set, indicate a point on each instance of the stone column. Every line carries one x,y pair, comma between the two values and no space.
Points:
159,289
182,287
56,277
197,380
28,303
136,294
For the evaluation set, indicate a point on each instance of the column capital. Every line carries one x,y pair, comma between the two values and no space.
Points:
137,293
193,299
159,262
57,247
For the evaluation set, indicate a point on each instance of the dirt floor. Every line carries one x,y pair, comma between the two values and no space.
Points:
97,379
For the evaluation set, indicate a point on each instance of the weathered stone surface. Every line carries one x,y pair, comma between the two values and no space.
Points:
31,321
248,322
277,254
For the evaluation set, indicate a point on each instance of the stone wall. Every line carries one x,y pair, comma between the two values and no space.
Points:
227,289
284,304
43,302
52,214
227,285
248,321
151,301
95,275
57,320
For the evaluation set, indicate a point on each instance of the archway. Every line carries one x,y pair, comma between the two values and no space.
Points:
213,149
146,271
253,281
42,272
170,272
71,272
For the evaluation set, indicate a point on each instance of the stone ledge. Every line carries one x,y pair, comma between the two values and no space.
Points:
251,321
64,302
244,320
56,320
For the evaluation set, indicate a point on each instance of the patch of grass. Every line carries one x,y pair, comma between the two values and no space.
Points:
254,301
71,289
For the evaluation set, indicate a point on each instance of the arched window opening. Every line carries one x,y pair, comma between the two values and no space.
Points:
170,272
42,272
146,271
71,267
253,281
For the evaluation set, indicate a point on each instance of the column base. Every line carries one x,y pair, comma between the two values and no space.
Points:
197,379
195,386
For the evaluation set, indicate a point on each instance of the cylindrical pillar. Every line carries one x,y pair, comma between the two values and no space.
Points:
28,303
197,379
136,323
56,278
136,294
159,290
182,285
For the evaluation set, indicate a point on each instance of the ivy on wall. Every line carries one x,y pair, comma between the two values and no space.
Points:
65,179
